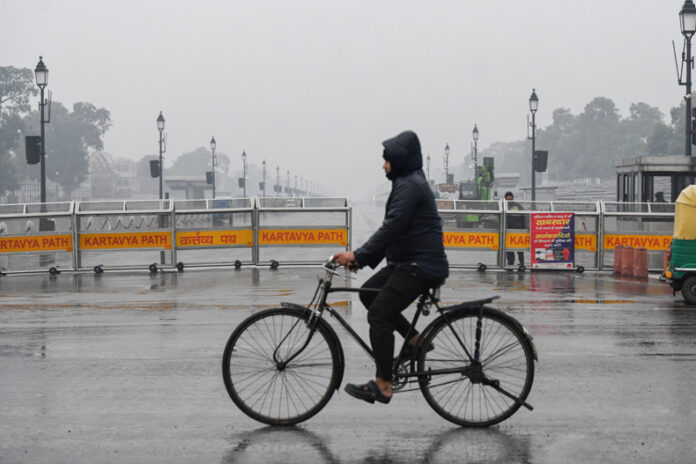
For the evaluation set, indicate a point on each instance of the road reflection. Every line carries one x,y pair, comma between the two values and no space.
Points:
298,445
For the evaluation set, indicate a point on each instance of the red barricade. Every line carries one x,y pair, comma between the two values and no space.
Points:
627,261
617,260
640,263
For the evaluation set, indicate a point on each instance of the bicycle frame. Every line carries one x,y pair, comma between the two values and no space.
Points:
425,302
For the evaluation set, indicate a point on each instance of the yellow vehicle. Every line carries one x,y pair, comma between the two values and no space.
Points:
682,265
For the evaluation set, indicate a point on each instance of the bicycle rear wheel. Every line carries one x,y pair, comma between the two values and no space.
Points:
472,394
257,378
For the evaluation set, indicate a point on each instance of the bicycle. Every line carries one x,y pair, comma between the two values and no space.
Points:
281,365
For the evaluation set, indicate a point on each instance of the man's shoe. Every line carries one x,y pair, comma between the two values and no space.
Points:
369,392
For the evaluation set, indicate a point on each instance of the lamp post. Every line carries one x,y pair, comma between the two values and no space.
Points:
213,145
533,107
264,177
475,135
160,128
278,189
687,20
41,74
428,164
447,163
244,156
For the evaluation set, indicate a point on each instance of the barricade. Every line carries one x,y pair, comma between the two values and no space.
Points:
587,228
36,237
638,225
471,232
308,228
627,261
130,234
640,263
215,232
124,234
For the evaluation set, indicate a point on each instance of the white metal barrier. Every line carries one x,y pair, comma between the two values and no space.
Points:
214,232
305,227
123,234
638,225
471,232
587,228
163,233
36,237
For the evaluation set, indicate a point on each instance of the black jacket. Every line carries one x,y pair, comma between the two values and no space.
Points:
516,221
412,229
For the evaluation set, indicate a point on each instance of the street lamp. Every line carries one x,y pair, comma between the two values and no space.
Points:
213,145
428,164
475,135
160,128
264,177
41,74
687,20
278,188
244,156
533,107
447,163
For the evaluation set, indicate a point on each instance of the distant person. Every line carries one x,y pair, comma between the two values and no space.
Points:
514,221
660,198
410,238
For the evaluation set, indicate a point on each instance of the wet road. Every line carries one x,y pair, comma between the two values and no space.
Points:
126,368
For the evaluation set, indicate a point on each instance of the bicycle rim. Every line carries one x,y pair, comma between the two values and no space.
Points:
505,357
273,395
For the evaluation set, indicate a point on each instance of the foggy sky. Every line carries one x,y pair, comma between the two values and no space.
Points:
315,86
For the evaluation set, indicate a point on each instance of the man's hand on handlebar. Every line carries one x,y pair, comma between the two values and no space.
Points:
346,259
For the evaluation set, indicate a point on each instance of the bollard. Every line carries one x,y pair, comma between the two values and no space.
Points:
617,259
627,261
640,263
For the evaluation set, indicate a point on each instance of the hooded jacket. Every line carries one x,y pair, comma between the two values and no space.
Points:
412,229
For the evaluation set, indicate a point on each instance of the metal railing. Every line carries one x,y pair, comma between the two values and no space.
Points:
262,230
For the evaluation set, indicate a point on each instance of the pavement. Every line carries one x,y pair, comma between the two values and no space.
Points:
126,367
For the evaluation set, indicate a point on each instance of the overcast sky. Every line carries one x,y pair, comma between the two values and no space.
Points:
315,86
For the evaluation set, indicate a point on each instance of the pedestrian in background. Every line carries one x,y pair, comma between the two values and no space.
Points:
514,221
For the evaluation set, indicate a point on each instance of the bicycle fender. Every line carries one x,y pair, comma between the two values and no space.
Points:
332,333
518,325
458,309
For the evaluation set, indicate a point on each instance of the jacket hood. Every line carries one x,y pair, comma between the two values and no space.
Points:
403,153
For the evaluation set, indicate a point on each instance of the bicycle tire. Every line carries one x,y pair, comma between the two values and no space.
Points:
261,389
505,356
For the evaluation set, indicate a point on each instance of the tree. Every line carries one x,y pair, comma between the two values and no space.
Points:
70,137
197,162
659,139
16,87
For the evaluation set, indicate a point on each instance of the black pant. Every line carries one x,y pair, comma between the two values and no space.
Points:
511,257
400,287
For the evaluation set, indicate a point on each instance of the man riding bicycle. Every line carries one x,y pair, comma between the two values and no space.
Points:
410,238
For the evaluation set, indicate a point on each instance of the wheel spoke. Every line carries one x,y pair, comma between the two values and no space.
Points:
469,398
268,390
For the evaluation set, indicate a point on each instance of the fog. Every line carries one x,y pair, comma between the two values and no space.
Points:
315,86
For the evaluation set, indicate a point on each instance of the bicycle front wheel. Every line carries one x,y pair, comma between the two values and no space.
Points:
265,375
483,392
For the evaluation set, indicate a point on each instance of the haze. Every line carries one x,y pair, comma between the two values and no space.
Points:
315,86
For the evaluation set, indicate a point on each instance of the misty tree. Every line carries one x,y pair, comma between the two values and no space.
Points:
197,162
659,140
585,145
70,137
16,88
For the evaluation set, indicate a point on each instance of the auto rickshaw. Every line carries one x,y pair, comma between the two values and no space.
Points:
682,263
